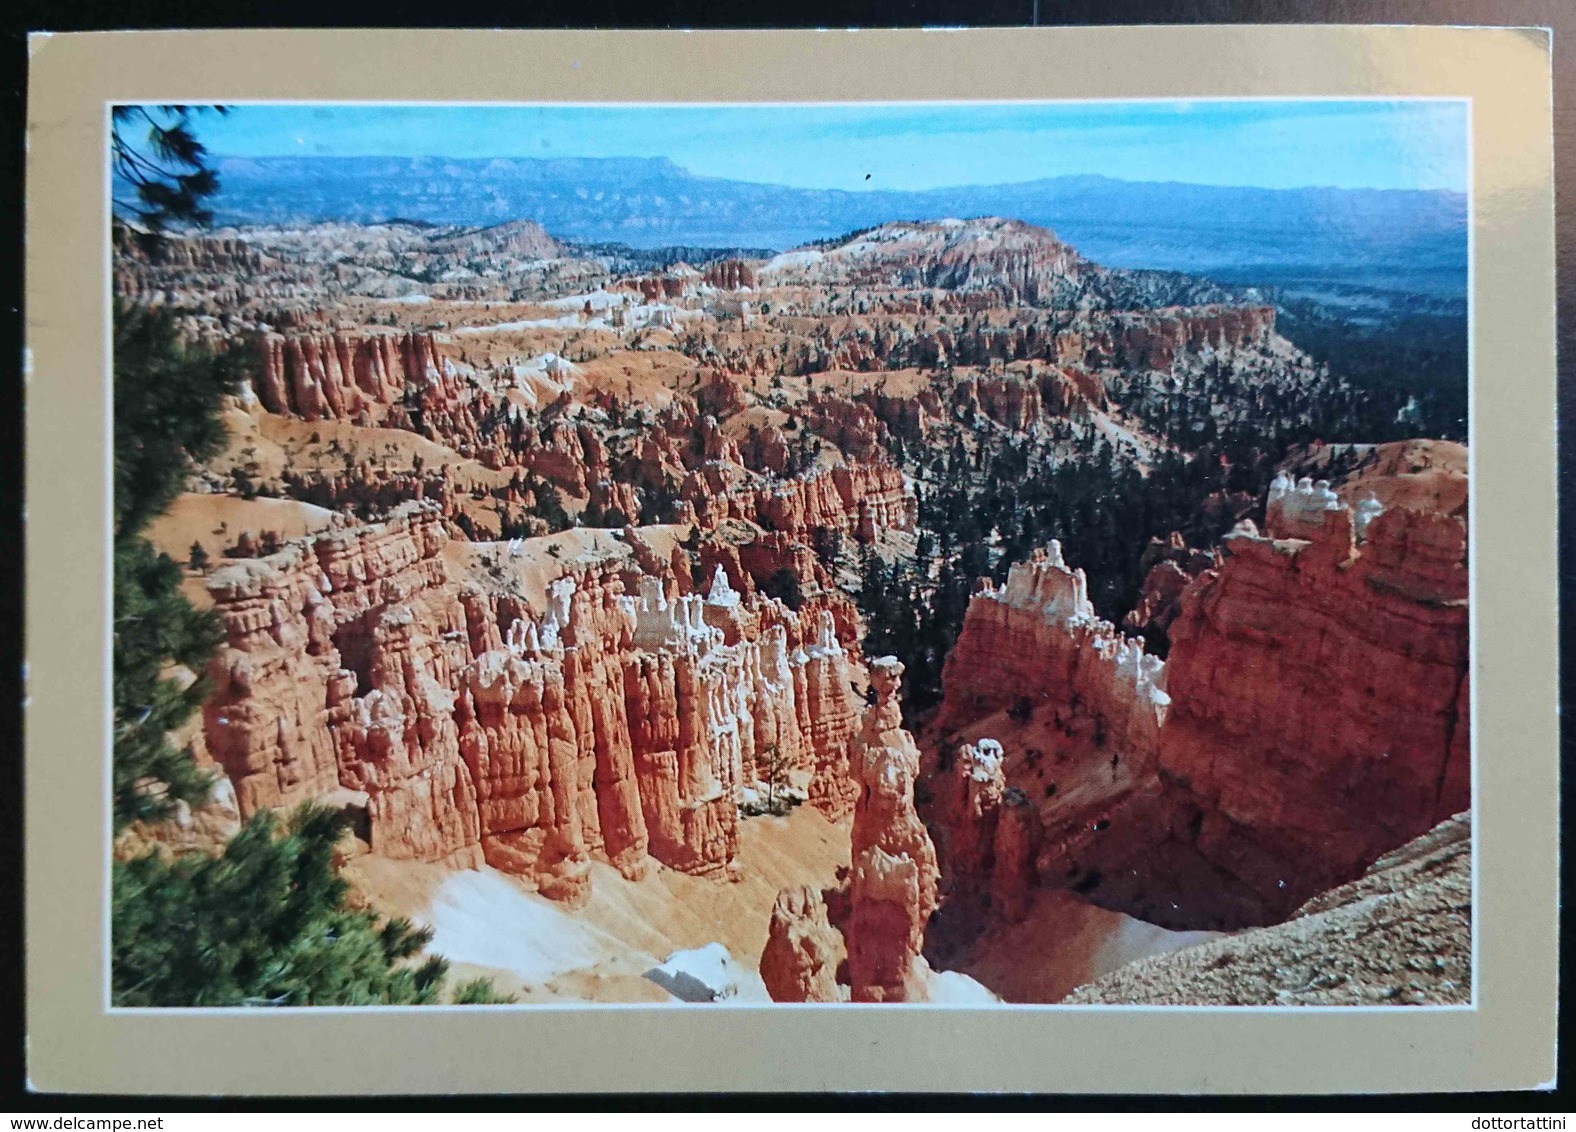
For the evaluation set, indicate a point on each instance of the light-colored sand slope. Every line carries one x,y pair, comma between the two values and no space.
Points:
481,918
216,522
1064,943
669,910
488,923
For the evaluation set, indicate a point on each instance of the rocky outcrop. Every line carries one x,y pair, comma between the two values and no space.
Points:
1015,871
730,274
345,376
888,892
991,838
893,878
204,828
803,950
524,238
954,255
1036,643
675,283
1155,340
465,725
1399,935
1168,566
1321,693
1312,714
337,674
857,499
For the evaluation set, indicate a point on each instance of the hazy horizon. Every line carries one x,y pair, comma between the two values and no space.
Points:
1290,144
618,158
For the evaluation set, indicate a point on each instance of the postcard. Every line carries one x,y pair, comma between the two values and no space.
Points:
900,545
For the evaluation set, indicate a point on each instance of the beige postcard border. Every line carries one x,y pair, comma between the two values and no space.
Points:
1506,1041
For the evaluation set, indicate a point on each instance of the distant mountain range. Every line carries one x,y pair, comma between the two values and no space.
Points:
1311,240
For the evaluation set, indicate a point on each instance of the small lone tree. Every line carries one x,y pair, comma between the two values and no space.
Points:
241,480
479,992
197,558
773,767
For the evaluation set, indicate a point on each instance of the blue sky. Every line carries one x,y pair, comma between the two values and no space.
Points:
1273,144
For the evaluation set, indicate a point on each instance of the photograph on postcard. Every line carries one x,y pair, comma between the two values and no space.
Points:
977,553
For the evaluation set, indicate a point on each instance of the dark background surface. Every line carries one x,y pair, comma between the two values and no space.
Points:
35,15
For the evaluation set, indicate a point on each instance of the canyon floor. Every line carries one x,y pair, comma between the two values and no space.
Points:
489,924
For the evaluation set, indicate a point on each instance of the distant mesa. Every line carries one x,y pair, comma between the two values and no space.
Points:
1398,239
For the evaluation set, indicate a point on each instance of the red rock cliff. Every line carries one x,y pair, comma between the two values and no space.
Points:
468,725
1313,713
340,376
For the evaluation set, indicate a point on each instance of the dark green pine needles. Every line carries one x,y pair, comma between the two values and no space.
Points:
265,924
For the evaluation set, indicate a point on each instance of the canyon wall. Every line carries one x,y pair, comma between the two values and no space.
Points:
403,381
622,720
344,376
1155,339
1312,715
1036,642
1321,691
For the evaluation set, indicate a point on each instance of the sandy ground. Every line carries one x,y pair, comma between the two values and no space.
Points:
216,521
1061,775
640,377
1064,943
488,923
268,444
894,383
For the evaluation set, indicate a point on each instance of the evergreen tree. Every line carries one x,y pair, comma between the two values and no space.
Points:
154,625
784,586
772,764
162,173
479,992
264,924
166,413
550,507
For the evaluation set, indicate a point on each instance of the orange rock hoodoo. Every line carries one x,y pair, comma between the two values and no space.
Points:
470,726
1313,713
1037,639
803,950
730,274
1168,566
890,890
991,838
893,880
